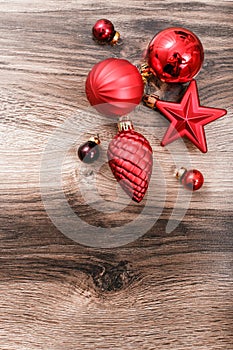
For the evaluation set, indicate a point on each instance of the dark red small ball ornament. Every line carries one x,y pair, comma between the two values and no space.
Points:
130,159
191,179
175,55
103,31
89,152
114,87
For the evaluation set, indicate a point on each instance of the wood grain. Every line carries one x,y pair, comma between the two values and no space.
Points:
164,290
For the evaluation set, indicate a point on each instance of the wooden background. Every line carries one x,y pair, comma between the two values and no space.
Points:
164,290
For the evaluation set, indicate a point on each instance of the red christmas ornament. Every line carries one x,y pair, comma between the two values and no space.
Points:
188,118
191,179
103,31
89,151
175,55
130,159
114,87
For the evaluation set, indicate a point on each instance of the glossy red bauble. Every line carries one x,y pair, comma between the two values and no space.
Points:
175,55
103,30
130,159
114,87
192,180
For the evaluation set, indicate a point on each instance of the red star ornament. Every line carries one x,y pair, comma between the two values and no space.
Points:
188,118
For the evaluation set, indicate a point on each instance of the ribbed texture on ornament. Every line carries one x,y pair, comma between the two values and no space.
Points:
130,159
114,87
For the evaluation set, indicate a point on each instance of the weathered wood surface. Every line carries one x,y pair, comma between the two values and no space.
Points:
162,291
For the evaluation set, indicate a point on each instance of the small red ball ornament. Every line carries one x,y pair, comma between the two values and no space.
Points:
114,87
175,55
103,31
191,179
130,159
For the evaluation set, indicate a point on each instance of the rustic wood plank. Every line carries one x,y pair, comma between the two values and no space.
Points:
165,290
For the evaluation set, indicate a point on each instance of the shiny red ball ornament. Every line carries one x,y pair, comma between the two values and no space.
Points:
114,87
191,179
103,31
175,55
130,159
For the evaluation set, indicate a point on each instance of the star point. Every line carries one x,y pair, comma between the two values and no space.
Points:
188,118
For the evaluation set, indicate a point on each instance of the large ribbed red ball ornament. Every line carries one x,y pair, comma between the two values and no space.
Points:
175,55
114,87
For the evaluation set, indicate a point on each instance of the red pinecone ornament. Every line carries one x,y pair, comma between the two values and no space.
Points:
130,159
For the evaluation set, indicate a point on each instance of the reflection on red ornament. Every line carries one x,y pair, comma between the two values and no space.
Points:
114,87
175,55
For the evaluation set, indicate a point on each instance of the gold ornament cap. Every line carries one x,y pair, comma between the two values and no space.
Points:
95,139
179,173
145,72
150,100
115,39
125,125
